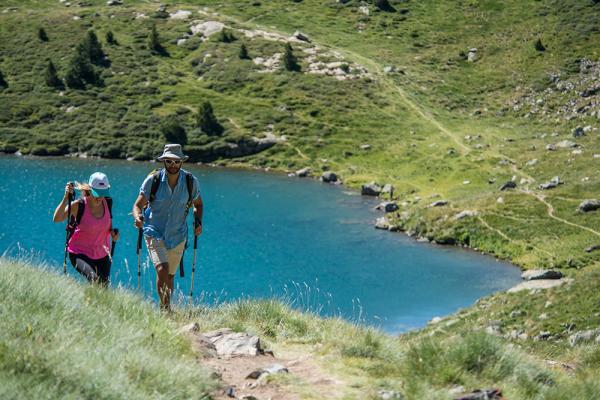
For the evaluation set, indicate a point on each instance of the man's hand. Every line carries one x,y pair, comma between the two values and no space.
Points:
197,227
138,222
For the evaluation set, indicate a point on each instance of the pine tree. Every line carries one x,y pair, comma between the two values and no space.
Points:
154,41
244,52
42,35
384,5
110,38
81,71
3,83
52,78
289,59
226,36
206,120
93,48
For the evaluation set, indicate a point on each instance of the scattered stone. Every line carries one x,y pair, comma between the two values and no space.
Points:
114,3
543,336
472,55
382,223
230,343
329,177
500,200
516,313
230,391
388,189
592,248
539,284
531,163
554,182
435,320
584,336
364,10
465,214
566,144
365,146
181,15
541,274
301,36
494,328
508,185
589,205
550,147
485,394
190,328
384,394
370,189
439,203
303,173
270,370
387,206
207,28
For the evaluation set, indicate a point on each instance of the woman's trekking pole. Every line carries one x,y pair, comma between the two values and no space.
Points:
138,250
68,229
112,247
194,263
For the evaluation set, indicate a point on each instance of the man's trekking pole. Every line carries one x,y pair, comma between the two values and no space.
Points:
68,228
112,247
194,262
138,250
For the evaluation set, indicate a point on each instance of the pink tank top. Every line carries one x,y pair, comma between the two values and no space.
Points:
92,235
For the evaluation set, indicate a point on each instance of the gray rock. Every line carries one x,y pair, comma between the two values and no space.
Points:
472,55
578,132
539,284
439,203
384,394
550,147
230,343
592,248
329,177
382,223
388,188
554,182
543,335
583,336
114,3
303,173
387,206
301,36
589,205
566,144
271,369
479,394
370,189
541,274
508,185
365,146
465,214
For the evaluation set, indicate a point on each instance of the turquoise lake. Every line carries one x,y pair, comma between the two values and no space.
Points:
264,235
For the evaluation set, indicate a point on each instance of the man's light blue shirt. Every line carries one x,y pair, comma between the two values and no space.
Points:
165,217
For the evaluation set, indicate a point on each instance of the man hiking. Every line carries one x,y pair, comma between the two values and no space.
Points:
90,228
161,210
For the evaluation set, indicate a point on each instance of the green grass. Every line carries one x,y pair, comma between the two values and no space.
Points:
63,339
60,339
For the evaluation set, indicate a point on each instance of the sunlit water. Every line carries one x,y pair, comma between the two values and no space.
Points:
264,235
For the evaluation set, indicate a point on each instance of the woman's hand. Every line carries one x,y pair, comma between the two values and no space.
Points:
69,190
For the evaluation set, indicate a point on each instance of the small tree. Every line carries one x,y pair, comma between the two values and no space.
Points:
93,48
51,76
42,35
206,120
384,5
173,131
226,36
3,83
110,38
244,52
538,45
289,59
81,70
154,41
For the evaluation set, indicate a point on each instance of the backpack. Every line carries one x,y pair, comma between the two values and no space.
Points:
189,180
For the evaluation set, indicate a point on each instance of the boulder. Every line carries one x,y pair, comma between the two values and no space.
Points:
566,144
181,15
584,336
592,248
382,223
303,173
329,177
508,185
207,28
370,189
271,369
541,274
465,214
388,188
472,55
439,203
589,205
554,182
230,343
301,36
387,206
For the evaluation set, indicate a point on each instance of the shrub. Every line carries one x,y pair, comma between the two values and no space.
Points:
93,48
3,83
538,45
289,59
42,35
206,120
244,53
173,131
110,38
51,76
226,36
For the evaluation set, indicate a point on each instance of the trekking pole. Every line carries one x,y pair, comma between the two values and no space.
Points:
194,262
138,251
112,247
68,229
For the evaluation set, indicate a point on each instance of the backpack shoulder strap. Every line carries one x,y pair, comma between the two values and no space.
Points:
109,203
189,180
80,209
155,184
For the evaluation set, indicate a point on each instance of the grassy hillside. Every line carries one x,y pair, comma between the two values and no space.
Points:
62,339
439,126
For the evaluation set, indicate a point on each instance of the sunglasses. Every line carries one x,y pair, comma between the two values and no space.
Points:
171,162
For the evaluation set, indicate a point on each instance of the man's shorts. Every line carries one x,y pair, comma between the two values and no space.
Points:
160,255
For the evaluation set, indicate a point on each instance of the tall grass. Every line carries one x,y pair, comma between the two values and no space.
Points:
63,340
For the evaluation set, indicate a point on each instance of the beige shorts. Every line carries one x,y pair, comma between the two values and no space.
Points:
160,255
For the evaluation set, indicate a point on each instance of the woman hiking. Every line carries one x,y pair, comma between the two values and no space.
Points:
91,231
